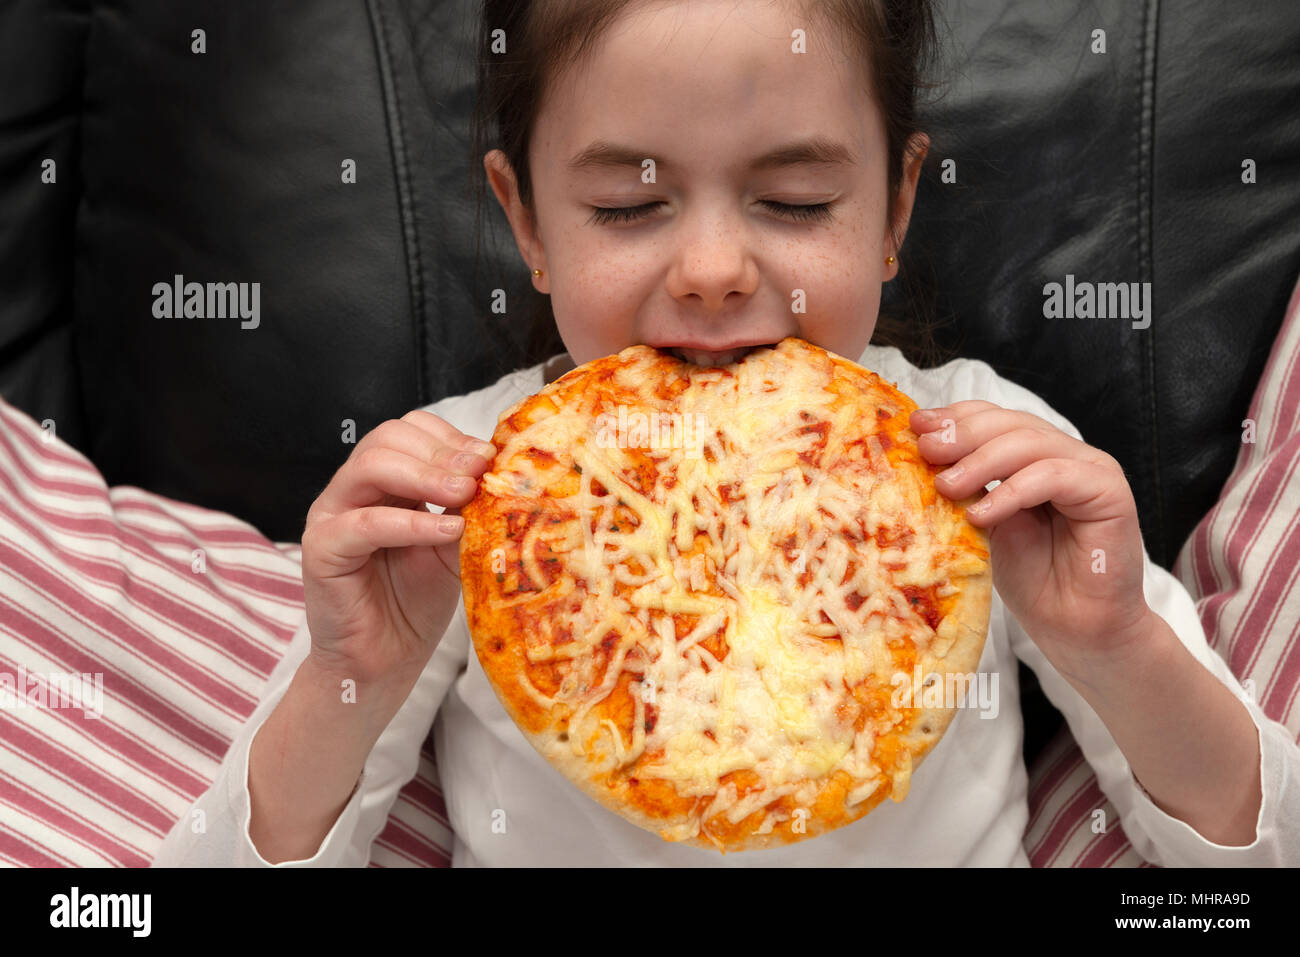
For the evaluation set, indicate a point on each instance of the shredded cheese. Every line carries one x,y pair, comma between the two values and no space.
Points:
709,548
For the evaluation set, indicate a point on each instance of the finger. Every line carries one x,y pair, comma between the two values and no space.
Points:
423,437
923,420
414,440
448,434
342,544
1081,491
968,407
955,413
953,439
1000,457
470,457
378,474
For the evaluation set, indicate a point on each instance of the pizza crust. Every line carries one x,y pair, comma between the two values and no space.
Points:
502,653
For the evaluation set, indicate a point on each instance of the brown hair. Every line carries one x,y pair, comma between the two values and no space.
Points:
896,37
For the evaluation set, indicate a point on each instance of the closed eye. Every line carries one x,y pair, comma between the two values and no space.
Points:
817,212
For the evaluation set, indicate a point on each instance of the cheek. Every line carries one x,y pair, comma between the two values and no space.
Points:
846,333
595,311
843,302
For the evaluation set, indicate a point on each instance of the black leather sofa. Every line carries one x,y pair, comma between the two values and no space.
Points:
228,166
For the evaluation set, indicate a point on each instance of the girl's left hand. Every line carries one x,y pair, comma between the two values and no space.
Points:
1066,546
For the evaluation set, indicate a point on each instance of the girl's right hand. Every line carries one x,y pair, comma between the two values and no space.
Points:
381,573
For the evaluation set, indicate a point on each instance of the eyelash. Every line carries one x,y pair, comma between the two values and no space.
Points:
817,212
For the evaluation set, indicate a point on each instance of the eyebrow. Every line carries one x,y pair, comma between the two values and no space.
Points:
817,151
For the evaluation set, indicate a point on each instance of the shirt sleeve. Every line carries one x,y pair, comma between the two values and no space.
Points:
213,831
1157,836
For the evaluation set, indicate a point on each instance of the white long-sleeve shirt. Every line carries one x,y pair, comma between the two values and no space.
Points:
966,805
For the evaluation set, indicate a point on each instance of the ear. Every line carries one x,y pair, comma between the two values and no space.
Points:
522,223
913,159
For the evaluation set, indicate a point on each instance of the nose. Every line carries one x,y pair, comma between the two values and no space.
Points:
713,262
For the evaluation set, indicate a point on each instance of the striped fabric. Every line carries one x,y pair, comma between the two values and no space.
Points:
184,612
1242,565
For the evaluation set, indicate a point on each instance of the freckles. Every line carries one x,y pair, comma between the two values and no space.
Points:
819,265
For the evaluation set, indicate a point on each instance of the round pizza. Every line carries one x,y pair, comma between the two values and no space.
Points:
707,595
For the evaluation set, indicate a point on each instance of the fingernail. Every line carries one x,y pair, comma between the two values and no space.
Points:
463,461
456,483
485,449
450,523
952,474
980,507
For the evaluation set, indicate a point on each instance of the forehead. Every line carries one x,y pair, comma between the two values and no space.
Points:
712,84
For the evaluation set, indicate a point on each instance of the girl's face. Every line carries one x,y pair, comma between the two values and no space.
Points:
709,256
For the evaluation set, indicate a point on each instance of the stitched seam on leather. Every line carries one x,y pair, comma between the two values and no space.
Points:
1146,137
405,201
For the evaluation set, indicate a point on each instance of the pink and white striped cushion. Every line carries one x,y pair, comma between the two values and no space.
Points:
94,579
1242,565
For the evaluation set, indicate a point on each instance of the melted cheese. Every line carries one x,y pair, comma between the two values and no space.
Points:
769,705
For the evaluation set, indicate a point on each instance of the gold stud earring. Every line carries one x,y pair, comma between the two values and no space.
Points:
889,260
536,273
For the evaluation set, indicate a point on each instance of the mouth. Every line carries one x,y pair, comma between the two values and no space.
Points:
702,357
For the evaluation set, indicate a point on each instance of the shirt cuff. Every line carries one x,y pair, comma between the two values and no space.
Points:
332,849
1181,845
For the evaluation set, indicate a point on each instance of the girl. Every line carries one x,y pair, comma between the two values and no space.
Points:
785,156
